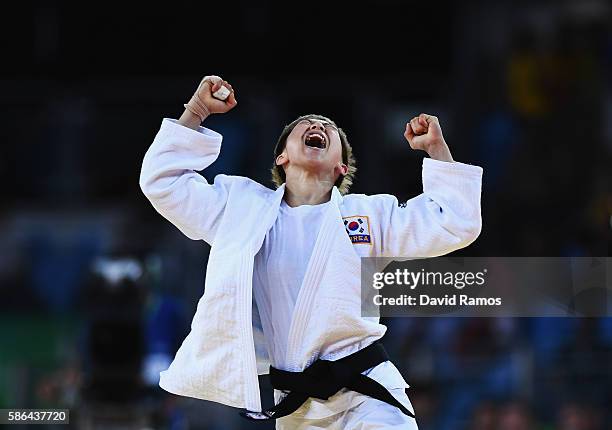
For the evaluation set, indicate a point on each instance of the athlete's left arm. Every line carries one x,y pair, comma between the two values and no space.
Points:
446,216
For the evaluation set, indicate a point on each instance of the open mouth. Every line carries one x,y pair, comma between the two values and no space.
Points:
315,140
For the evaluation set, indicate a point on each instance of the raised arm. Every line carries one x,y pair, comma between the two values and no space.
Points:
168,177
446,216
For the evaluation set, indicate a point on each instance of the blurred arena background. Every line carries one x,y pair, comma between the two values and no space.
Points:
97,291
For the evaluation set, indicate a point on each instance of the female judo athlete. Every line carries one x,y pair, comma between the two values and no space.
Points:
282,290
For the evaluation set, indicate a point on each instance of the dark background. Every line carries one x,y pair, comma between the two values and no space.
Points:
522,89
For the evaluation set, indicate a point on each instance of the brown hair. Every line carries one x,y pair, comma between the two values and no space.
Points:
343,182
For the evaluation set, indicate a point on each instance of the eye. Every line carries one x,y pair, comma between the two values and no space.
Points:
330,127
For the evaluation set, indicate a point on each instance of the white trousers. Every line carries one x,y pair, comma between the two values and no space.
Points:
370,414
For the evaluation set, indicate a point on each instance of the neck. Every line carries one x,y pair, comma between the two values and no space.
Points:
306,189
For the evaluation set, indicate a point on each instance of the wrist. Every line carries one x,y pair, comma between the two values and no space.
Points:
439,151
197,106
198,111
190,119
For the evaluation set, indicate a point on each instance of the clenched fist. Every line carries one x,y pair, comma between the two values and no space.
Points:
424,132
203,102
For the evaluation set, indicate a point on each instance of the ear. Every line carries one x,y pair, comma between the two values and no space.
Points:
342,169
282,159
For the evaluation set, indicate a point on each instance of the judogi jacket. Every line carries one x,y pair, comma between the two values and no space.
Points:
221,357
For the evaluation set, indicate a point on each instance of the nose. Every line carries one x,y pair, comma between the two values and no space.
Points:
317,125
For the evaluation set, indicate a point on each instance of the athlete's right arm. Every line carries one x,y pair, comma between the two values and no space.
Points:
169,177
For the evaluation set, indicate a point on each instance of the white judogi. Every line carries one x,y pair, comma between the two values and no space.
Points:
217,360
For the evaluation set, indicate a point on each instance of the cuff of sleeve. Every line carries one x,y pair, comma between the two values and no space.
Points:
455,167
201,136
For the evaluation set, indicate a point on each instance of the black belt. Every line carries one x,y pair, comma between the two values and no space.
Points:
325,378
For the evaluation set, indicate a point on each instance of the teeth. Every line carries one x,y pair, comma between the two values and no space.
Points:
322,140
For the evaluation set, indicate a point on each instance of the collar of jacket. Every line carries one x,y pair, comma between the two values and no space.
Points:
280,192
250,398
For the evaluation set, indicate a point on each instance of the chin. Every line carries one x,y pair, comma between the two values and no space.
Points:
315,165
313,162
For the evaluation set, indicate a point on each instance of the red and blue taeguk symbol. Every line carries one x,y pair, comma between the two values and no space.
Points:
354,226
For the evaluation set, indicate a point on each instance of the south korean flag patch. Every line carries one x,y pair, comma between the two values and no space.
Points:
358,228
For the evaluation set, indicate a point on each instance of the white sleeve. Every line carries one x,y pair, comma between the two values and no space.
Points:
444,218
169,180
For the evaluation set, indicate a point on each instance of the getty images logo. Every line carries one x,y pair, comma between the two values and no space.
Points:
412,279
